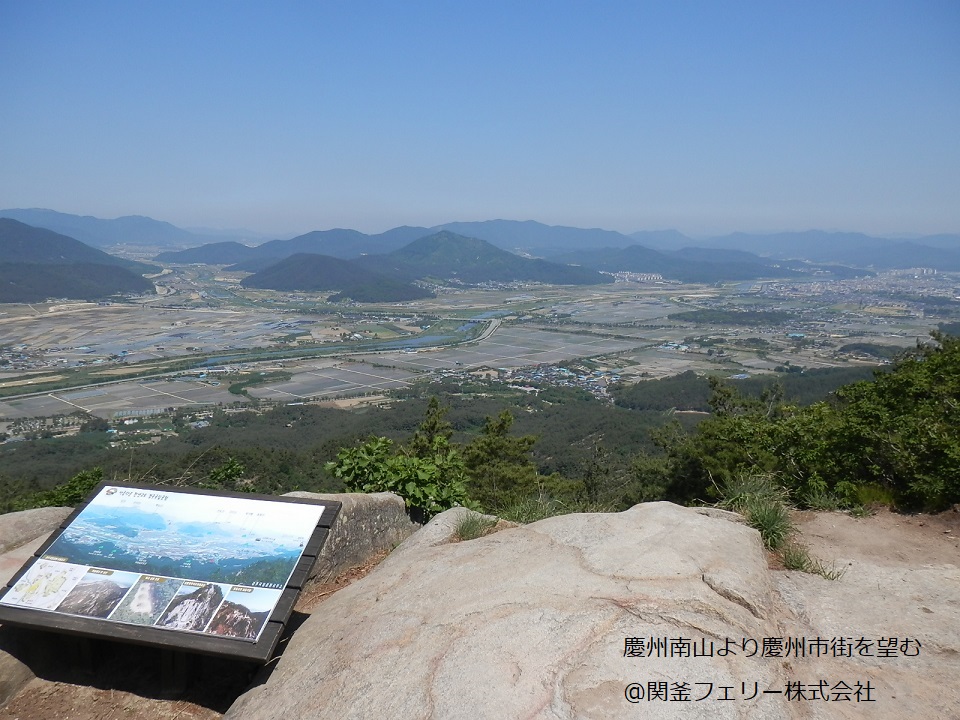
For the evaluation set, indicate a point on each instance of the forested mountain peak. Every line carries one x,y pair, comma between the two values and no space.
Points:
22,243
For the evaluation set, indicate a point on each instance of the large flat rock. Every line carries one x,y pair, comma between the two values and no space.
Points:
531,623
901,586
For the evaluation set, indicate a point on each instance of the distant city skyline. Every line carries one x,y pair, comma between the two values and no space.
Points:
281,119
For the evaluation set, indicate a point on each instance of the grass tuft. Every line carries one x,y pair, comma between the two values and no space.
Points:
828,573
771,518
473,525
797,557
531,510
873,495
822,501
738,492
765,506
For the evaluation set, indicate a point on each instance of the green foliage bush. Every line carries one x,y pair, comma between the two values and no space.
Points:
428,485
498,465
70,494
228,476
897,433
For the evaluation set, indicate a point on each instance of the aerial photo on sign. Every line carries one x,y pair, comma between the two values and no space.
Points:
171,560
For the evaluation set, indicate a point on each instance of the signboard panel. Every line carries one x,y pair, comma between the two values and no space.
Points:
169,560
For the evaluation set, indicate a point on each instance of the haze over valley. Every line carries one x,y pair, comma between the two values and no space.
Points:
339,315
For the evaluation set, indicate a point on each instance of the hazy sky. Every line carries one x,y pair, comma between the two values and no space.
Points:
287,117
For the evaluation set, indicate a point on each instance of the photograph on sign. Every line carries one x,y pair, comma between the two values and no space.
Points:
171,560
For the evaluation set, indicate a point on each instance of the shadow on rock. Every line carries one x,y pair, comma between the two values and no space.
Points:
210,682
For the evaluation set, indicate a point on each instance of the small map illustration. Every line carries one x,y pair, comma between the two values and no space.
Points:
45,585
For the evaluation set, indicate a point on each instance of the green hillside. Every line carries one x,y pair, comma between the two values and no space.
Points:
37,264
220,253
21,243
309,273
24,282
449,256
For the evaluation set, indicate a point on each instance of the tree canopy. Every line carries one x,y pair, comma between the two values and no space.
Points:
896,433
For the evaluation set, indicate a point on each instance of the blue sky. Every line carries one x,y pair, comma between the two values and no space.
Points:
707,117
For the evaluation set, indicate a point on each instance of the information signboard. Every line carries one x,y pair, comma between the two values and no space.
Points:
203,571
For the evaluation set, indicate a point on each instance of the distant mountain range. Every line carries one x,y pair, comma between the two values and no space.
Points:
857,249
733,257
524,237
129,230
537,238
339,243
37,264
450,257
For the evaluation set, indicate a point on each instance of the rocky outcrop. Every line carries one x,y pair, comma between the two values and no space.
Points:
368,526
19,528
656,612
194,610
21,533
899,602
557,619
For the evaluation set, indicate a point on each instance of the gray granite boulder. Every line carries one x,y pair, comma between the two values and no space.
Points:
19,528
21,533
368,526
534,622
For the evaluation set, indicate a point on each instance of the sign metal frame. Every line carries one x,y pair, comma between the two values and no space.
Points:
261,651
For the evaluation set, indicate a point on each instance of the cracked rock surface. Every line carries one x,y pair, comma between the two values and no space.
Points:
531,622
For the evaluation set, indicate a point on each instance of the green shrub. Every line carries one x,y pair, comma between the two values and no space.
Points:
70,494
428,485
897,432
